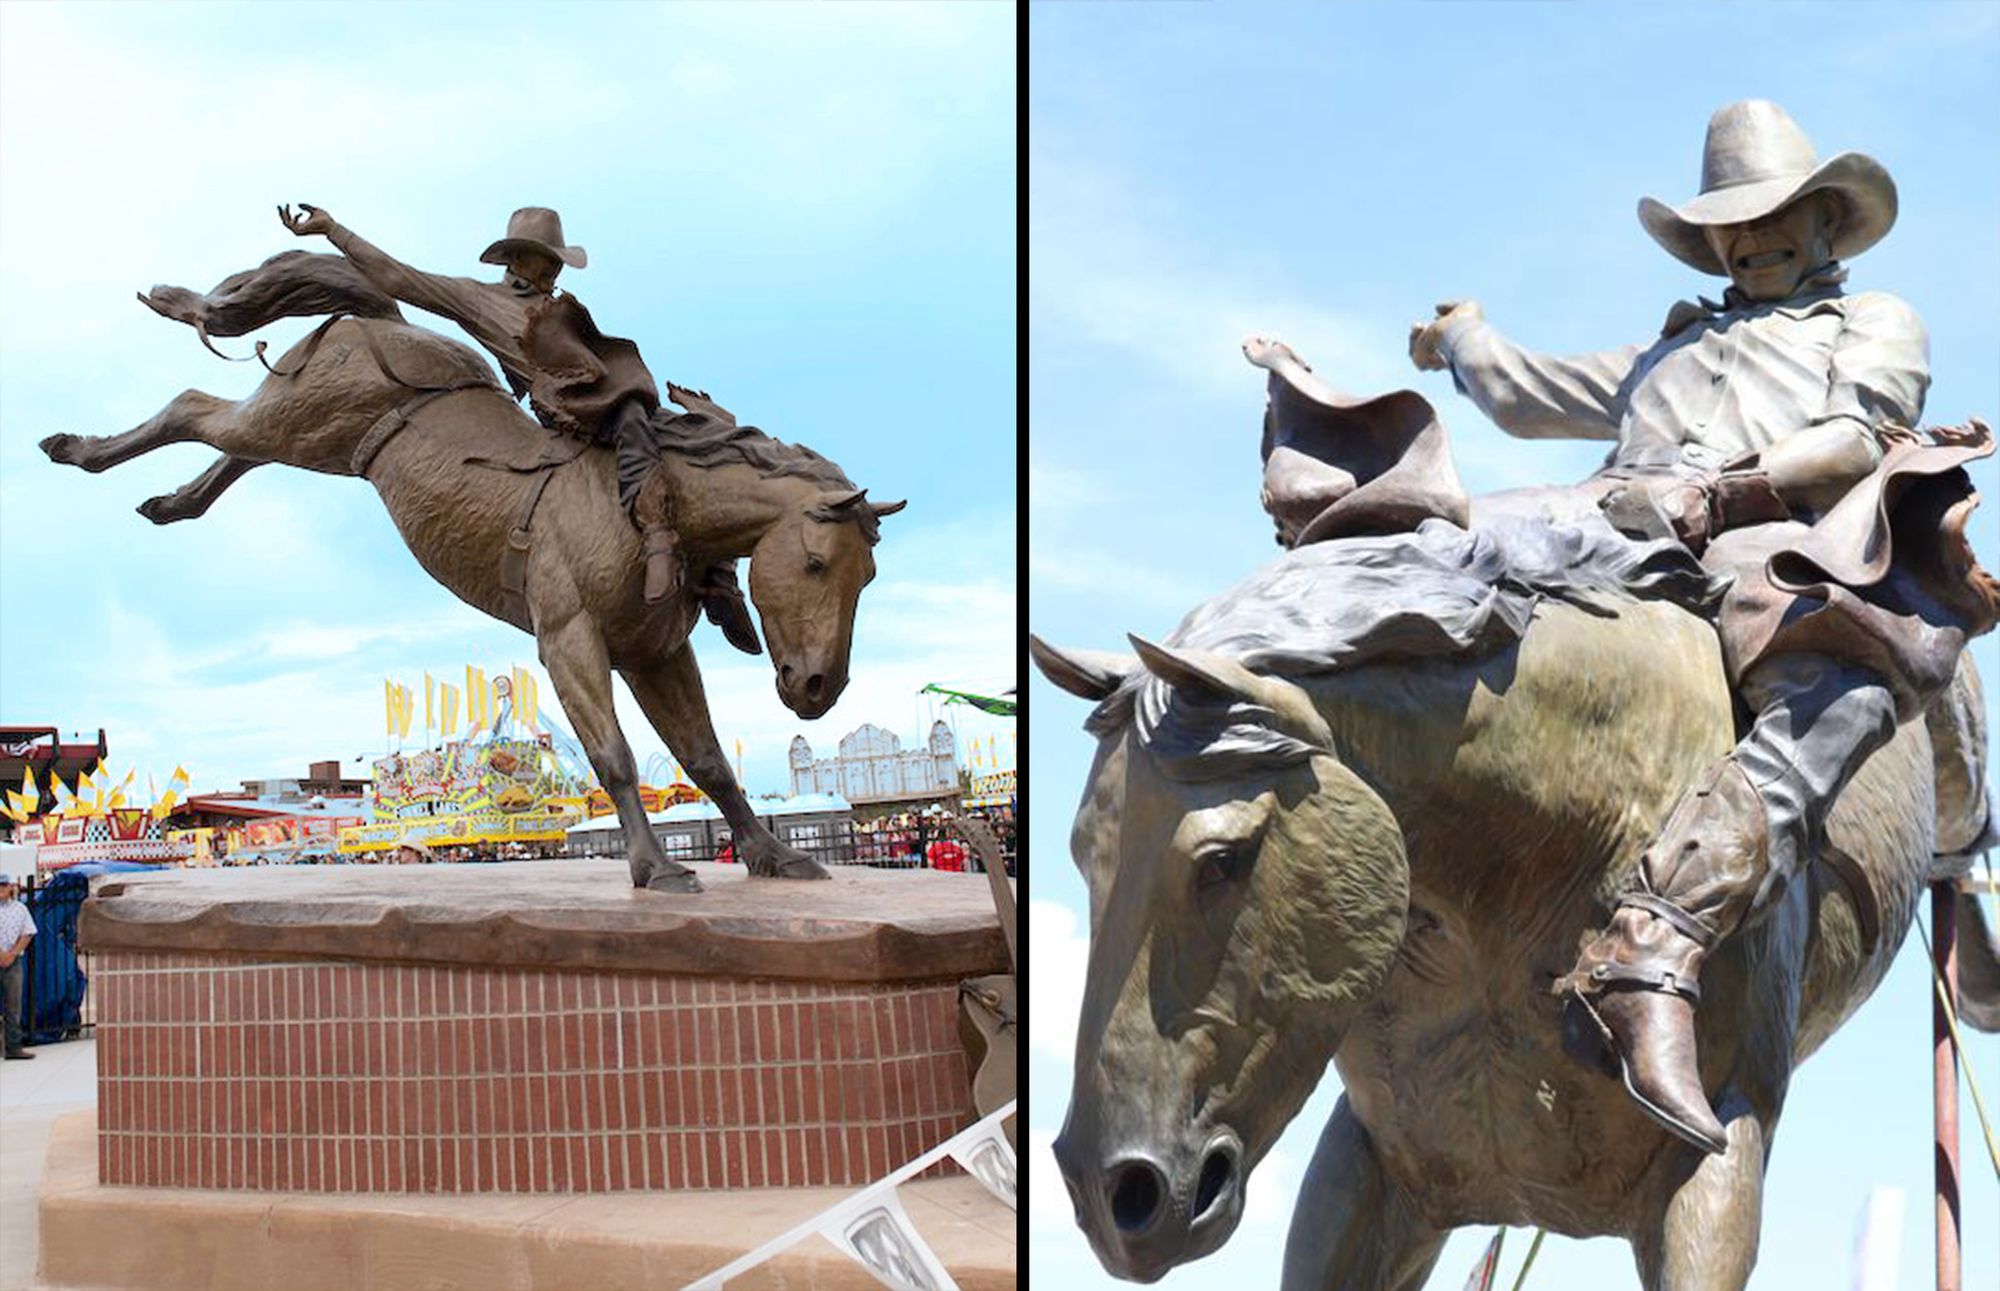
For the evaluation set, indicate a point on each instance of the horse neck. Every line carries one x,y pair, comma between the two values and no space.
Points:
722,511
1402,731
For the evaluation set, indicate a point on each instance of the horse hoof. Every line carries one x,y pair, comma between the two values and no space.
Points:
685,881
800,867
160,510
60,448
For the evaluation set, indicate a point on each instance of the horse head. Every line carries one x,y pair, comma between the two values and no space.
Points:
1248,895
806,576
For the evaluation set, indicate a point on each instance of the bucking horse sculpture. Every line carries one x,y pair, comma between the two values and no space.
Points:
528,528
1363,807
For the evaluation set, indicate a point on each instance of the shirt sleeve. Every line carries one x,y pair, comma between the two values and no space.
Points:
455,298
1537,396
1881,366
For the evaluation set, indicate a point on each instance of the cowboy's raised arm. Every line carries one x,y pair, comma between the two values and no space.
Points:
454,298
1528,395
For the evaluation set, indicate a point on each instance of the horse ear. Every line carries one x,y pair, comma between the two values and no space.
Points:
841,499
1203,676
887,508
1087,674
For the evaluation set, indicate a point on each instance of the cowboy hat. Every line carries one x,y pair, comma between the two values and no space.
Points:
534,228
1756,160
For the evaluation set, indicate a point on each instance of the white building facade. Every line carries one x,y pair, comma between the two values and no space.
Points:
872,766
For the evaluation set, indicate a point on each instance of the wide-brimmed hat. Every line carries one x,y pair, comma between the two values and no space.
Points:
534,228
1757,160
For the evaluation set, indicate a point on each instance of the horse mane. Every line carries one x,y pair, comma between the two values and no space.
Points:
1441,592
708,441
707,437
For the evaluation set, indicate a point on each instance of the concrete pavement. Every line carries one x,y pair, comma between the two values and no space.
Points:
62,1078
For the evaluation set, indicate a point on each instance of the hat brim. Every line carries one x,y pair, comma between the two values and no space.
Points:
1860,180
500,251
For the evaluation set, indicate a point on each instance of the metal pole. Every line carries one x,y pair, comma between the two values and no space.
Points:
1944,1083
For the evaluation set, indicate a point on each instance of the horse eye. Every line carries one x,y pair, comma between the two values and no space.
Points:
815,565
1223,865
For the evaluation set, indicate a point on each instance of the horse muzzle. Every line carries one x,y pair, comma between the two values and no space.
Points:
809,693
1145,1214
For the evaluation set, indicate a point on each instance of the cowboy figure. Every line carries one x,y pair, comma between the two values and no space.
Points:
578,381
1770,433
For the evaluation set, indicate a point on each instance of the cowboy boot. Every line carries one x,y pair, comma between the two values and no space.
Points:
1639,979
663,563
722,601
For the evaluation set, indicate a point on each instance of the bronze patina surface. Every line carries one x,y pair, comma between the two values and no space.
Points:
864,925
1648,772
532,526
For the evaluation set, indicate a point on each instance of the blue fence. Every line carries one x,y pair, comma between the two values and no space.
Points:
55,996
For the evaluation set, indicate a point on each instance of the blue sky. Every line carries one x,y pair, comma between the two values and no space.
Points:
808,211
1328,173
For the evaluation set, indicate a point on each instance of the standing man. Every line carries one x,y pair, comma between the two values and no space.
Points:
17,927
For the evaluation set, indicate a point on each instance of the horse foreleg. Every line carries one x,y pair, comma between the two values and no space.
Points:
177,423
197,495
580,669
671,694
1355,1229
1703,1236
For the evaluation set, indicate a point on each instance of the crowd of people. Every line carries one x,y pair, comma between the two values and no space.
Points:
929,839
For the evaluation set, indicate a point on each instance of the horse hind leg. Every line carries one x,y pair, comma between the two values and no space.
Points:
177,423
196,496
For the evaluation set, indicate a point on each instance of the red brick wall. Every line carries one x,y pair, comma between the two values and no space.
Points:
371,1077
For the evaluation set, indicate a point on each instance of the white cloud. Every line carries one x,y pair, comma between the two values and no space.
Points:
1050,1213
1056,986
1092,570
1106,269
1274,1187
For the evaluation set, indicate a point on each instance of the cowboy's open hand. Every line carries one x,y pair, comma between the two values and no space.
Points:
314,220
1424,335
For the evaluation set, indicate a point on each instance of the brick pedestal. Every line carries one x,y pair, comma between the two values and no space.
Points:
440,1054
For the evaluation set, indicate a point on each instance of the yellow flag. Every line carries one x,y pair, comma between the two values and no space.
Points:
478,699
533,703
448,701
408,711
389,705
28,790
430,687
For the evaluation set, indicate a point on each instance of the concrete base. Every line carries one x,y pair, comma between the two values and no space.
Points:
180,1239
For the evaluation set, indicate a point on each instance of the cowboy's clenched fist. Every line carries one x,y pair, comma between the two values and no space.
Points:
1424,335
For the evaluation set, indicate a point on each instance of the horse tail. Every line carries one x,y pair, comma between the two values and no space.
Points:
291,284
1967,827
1978,966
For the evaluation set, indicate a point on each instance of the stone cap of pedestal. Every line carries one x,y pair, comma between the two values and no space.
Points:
864,925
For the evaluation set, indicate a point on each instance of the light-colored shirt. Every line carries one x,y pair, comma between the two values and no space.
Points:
495,313
14,921
1730,378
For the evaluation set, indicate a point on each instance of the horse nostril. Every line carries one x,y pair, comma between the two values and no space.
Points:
815,686
1136,1195
1216,1172
785,674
